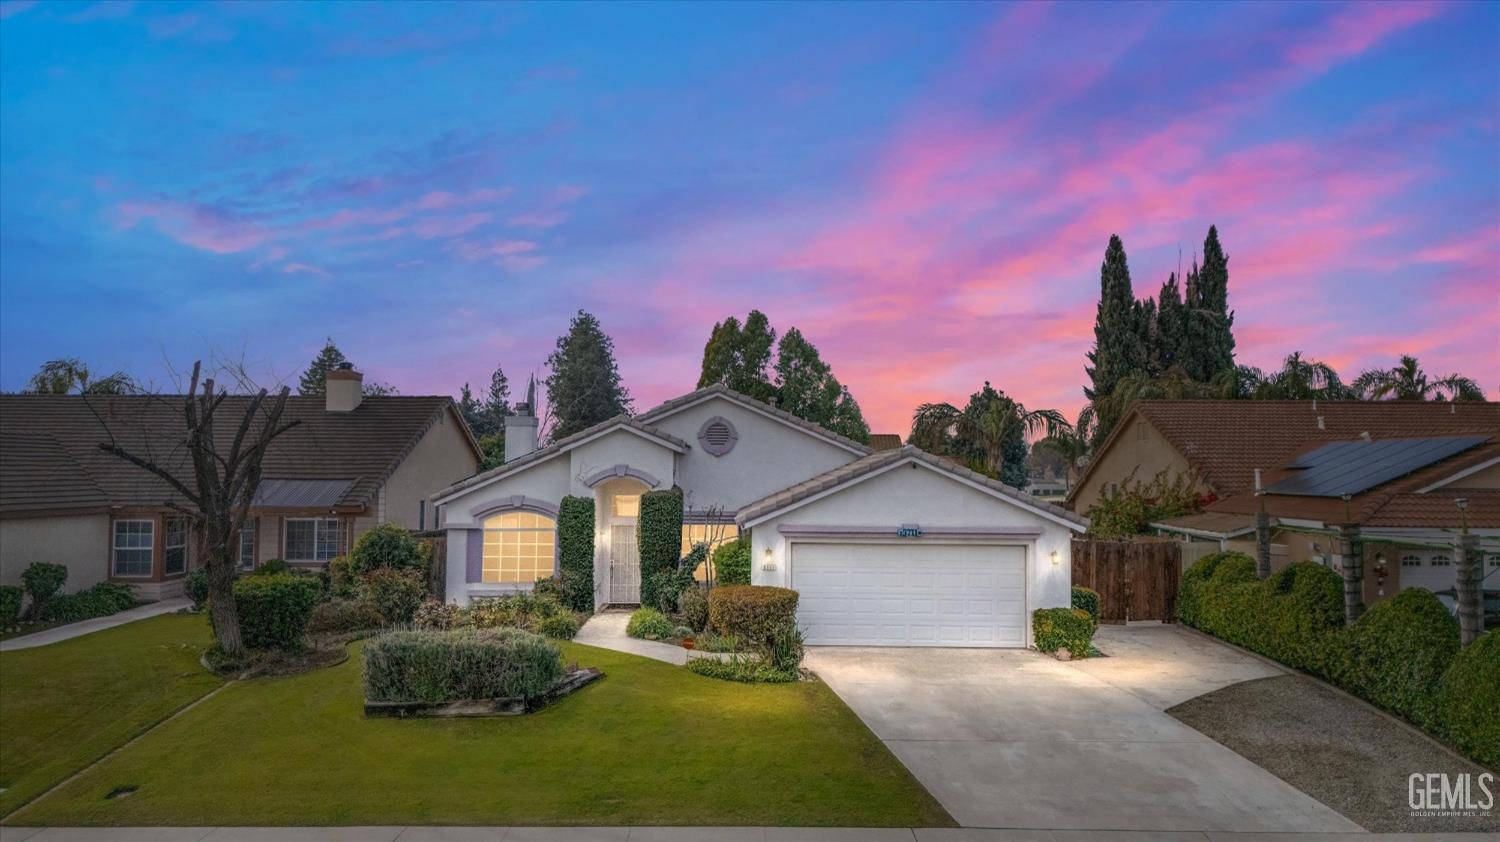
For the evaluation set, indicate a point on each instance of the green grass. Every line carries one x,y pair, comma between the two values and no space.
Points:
649,744
64,705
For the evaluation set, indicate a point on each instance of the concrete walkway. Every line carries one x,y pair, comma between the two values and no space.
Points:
79,629
674,834
1013,738
607,631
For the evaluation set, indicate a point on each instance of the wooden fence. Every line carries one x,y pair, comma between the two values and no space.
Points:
1136,580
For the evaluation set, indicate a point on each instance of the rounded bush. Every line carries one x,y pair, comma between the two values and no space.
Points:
43,580
10,606
387,546
395,593
649,624
732,562
1469,700
1063,628
1087,600
1395,655
273,609
342,583
693,603
271,566
339,616
1195,579
559,626
101,600
752,613
435,615
1303,614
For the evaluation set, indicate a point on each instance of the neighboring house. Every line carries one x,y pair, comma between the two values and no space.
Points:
894,547
350,463
884,441
1403,465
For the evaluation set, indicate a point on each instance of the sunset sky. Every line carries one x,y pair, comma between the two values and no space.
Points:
925,190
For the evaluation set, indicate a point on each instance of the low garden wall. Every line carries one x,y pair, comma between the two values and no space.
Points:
1402,655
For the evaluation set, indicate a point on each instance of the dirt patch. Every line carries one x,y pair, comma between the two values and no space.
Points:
1333,748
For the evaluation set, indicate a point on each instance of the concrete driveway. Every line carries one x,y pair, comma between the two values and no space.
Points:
1016,739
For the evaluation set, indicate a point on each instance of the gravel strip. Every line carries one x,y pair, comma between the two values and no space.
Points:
1333,748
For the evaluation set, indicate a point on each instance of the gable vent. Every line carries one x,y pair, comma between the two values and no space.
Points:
717,436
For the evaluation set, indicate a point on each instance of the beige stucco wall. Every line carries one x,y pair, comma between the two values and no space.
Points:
1138,453
619,447
441,458
81,542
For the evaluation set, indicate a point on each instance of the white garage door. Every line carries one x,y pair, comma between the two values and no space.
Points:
910,594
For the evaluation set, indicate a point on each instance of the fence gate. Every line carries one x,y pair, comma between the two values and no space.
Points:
1136,580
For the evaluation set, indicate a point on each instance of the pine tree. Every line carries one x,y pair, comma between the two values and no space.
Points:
487,417
1171,326
1210,323
1119,348
583,387
328,359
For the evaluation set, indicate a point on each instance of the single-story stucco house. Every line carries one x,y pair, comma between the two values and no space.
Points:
350,463
891,548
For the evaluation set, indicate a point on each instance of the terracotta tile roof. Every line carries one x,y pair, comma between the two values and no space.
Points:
1227,524
1225,441
884,441
874,462
49,446
669,407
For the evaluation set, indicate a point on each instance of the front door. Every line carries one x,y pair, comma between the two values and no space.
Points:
624,566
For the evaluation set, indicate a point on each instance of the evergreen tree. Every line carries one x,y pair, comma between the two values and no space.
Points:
1171,326
328,359
740,356
487,417
808,389
1210,323
583,387
1119,346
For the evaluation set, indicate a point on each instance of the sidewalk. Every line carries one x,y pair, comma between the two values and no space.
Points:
79,629
672,834
607,631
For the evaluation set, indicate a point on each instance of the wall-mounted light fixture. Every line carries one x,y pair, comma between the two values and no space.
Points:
1054,558
769,563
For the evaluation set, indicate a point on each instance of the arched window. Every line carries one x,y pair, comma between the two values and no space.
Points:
1441,561
519,547
1411,561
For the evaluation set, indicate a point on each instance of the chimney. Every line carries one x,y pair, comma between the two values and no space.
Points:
520,428
343,388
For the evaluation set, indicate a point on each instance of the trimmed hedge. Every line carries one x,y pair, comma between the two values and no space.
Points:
387,545
43,580
340,616
395,593
10,606
1063,628
1396,653
575,551
658,539
463,664
1087,600
649,624
753,613
101,600
1469,700
693,603
273,609
732,562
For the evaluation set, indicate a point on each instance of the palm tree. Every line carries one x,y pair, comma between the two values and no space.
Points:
62,377
1301,379
1408,382
933,427
996,420
1072,443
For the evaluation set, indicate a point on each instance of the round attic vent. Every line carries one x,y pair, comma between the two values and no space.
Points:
717,436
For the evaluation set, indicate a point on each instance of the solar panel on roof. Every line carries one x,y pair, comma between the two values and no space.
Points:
1349,467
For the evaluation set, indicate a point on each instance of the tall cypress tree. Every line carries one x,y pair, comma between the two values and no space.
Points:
584,385
1210,338
1171,325
1119,344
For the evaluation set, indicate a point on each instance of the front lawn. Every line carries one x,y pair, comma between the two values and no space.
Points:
64,705
649,744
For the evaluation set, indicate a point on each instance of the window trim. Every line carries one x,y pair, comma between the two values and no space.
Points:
166,548
114,548
286,534
485,530
252,524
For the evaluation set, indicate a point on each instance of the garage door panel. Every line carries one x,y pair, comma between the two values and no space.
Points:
910,594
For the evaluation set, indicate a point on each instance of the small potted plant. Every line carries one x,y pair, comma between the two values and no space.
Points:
685,634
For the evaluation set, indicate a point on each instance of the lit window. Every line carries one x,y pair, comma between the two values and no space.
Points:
1441,561
1411,561
174,548
519,547
712,534
134,541
627,505
311,539
247,543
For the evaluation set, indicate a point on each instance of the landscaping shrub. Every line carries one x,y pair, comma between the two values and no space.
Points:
1087,600
101,600
710,642
274,609
1133,506
1396,653
650,624
658,539
748,670
10,607
1063,628
672,582
732,562
1194,579
195,586
521,610
342,583
387,546
339,616
462,664
1302,611
785,649
693,603
396,593
42,580
1469,700
435,615
272,566
752,613
575,551
560,626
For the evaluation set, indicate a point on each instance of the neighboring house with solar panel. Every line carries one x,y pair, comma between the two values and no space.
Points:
350,463
1404,467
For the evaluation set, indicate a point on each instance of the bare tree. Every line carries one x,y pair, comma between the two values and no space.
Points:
221,485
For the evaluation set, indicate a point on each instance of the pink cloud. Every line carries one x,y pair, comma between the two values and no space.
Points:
198,225
304,269
449,226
